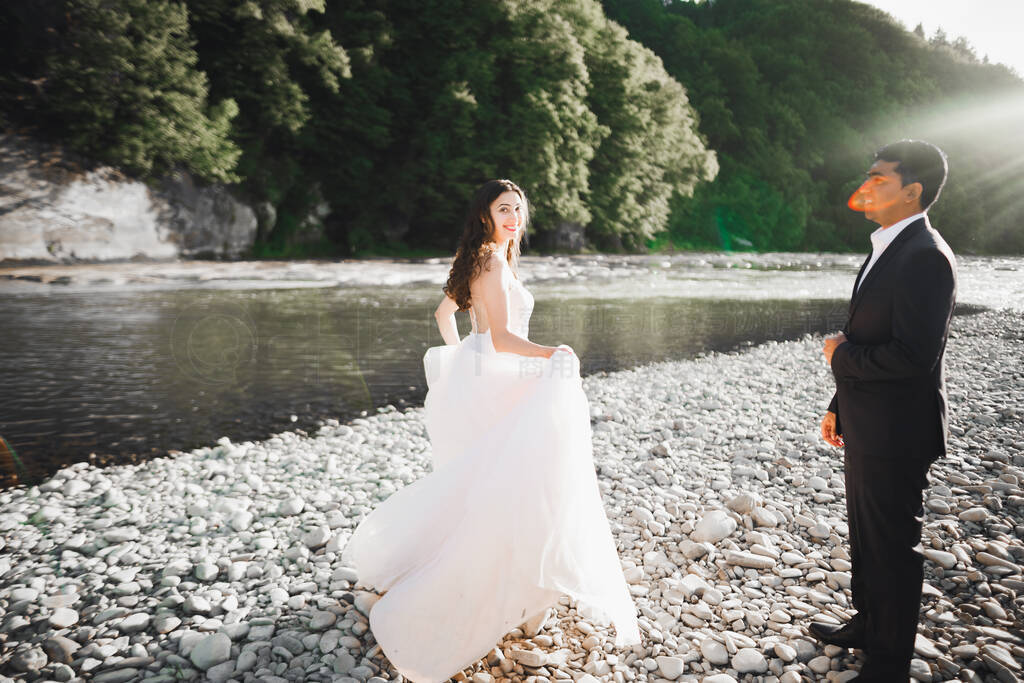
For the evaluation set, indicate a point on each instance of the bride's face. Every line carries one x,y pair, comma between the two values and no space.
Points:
507,216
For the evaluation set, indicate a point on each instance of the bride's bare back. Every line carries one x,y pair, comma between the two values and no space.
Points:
490,310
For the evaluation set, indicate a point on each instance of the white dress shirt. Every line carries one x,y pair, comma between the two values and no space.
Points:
882,238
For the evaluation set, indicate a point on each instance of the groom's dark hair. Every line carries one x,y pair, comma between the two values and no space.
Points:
918,161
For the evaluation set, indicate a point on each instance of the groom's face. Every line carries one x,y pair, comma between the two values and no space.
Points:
883,195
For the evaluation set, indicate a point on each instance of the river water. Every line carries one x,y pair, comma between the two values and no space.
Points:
120,362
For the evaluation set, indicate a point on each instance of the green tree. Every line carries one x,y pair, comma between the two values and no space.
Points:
272,57
794,95
652,150
123,89
522,89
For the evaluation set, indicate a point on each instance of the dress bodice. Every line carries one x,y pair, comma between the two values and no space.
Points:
520,308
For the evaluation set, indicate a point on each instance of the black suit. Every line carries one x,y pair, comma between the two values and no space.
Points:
890,404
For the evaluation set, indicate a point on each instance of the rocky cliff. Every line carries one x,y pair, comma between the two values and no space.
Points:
52,209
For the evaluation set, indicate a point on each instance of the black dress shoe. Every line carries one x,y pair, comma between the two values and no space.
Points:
850,635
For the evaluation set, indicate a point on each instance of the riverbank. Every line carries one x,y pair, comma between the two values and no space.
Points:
728,511
989,281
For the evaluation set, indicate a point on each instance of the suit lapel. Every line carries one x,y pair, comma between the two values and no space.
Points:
860,274
883,260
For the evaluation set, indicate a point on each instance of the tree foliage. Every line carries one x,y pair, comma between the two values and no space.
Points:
123,88
795,96
366,124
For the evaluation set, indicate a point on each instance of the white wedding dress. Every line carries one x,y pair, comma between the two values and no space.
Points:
509,520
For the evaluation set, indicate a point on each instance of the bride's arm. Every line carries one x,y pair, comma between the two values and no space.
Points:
492,293
445,317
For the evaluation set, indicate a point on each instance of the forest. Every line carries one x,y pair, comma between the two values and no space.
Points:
361,127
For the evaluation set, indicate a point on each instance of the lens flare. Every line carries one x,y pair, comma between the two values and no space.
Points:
857,199
864,198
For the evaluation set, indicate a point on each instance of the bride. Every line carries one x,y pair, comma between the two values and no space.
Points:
510,519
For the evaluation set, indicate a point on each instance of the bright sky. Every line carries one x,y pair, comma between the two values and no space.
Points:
993,27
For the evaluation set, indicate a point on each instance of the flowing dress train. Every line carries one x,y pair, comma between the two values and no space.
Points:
509,519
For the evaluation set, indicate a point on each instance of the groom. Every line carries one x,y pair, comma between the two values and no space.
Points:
889,409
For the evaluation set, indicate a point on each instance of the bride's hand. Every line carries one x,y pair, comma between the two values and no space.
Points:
562,347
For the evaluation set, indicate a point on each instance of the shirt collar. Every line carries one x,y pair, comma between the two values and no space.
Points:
883,237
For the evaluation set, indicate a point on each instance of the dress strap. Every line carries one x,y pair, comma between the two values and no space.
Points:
472,319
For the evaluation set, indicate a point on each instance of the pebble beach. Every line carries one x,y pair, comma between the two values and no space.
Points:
223,563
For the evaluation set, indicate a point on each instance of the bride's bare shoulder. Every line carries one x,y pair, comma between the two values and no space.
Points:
495,269
495,262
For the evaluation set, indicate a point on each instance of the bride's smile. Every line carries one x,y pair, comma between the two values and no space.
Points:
506,216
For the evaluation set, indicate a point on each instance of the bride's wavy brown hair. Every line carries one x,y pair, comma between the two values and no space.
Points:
478,228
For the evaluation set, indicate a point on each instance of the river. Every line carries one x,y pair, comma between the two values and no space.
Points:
120,362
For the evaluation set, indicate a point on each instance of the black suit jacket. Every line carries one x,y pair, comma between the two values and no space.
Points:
890,386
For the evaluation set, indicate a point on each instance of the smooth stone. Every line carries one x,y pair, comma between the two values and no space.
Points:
941,558
920,671
345,574
748,660
60,649
764,517
30,660
117,676
289,643
718,678
993,609
63,617
691,550
23,594
235,631
207,571
212,650
744,559
75,486
926,648
62,673
535,624
820,530
974,515
291,506
317,537
714,652
165,623
786,653
965,651
713,527
365,601
241,520
532,658
344,663
261,632
329,640
177,567
820,664
322,619
671,667
219,673
743,503
1001,655
134,623
246,661
197,604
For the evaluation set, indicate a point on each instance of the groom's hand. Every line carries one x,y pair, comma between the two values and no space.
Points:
828,430
831,343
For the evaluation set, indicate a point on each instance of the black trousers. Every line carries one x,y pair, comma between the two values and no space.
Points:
885,512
